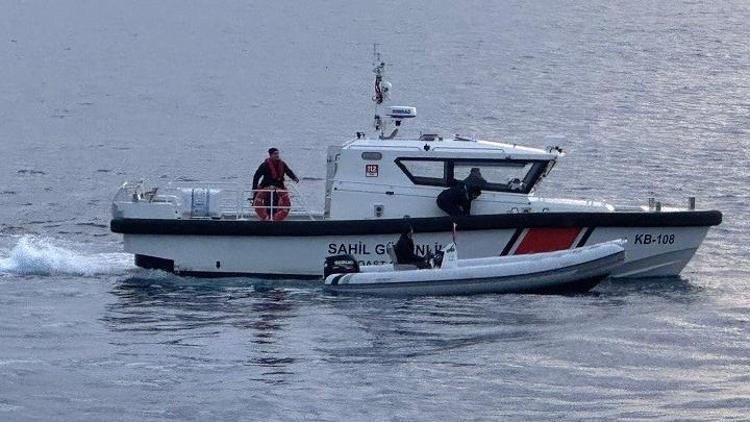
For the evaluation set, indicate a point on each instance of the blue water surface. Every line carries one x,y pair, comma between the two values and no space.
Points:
649,99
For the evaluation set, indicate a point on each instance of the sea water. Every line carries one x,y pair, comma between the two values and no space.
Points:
649,99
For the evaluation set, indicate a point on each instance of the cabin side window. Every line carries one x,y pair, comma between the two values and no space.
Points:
516,176
424,172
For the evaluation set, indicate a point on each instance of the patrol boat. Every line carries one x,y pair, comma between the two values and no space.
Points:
373,183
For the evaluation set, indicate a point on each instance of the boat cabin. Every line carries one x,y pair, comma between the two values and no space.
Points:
394,178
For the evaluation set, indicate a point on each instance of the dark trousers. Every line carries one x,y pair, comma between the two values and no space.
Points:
273,201
273,197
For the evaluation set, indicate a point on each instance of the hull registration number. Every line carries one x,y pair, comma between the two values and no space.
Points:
654,239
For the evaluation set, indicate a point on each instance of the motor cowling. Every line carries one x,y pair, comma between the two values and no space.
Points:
340,264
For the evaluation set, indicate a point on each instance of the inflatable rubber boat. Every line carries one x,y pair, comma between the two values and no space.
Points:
570,271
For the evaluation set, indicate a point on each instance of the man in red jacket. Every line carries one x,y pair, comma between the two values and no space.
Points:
272,171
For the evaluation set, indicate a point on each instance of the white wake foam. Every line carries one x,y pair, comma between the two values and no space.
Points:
33,255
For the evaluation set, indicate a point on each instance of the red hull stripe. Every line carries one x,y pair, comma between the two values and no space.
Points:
547,240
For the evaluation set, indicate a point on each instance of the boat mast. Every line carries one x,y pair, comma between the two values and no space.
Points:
382,91
394,114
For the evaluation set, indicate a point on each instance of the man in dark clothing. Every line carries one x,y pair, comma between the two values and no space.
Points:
404,250
272,170
475,179
456,200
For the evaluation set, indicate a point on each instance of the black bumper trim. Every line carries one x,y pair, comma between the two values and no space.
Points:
431,224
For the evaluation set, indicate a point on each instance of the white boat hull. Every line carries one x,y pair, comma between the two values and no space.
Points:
651,251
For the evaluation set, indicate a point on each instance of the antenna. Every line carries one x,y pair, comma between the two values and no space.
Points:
393,114
375,55
381,87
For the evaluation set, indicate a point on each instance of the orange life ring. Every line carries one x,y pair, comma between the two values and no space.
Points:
262,207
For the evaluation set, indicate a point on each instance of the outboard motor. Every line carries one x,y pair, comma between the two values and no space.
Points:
340,264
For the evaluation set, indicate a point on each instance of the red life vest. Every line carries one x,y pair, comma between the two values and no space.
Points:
277,169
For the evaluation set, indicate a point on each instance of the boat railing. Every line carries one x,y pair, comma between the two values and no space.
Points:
220,200
134,191
241,204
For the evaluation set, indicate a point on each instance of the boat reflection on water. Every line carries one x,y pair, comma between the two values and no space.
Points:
676,289
276,335
186,318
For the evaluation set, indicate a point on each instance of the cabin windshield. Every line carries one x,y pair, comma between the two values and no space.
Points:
517,176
